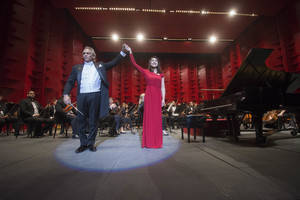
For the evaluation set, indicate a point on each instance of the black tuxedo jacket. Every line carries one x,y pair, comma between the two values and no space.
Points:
26,108
3,107
104,90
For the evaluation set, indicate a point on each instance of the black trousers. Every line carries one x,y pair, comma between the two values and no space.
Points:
2,123
35,125
73,121
88,104
16,123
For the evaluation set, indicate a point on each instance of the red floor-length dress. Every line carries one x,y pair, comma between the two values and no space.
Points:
152,122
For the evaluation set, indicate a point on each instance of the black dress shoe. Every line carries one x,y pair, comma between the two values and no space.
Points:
80,149
92,148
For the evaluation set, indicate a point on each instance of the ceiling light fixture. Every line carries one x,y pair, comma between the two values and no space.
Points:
115,37
212,39
140,37
232,13
154,10
201,12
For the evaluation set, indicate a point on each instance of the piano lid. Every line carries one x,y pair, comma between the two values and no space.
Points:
254,73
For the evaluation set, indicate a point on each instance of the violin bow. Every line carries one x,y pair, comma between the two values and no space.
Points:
77,109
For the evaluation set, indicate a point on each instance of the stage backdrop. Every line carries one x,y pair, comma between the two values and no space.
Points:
39,46
41,43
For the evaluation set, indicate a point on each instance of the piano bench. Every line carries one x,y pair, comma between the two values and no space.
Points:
189,134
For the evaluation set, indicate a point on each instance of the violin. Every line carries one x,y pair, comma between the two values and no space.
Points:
69,107
271,116
247,118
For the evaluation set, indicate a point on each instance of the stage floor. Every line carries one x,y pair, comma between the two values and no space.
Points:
47,168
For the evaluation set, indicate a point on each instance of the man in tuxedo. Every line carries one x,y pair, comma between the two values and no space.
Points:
190,109
92,94
30,113
2,112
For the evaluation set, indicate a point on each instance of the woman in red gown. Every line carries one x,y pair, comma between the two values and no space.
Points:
153,101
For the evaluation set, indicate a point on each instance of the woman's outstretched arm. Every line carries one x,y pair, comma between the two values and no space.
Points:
142,70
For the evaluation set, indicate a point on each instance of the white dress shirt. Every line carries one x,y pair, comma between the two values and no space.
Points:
90,79
35,108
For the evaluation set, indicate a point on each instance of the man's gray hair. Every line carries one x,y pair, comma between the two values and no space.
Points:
92,50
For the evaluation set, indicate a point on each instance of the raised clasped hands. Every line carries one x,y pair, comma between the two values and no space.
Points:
124,50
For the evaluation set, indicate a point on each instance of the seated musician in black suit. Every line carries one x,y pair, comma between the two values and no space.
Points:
2,112
126,123
181,110
9,115
140,110
66,114
190,109
174,112
30,111
12,117
164,119
48,113
114,112
197,108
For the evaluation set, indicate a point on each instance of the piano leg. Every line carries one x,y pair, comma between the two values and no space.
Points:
189,134
182,133
295,122
195,132
233,126
203,136
258,124
297,118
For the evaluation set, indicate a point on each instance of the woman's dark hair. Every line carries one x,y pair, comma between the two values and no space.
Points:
158,67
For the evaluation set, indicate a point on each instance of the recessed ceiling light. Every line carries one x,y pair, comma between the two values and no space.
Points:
232,13
140,37
115,37
212,39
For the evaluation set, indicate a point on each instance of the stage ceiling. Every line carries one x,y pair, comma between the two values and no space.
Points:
174,19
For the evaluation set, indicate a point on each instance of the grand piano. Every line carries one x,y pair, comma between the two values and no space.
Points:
255,89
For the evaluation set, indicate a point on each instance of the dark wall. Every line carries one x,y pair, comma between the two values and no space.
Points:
280,33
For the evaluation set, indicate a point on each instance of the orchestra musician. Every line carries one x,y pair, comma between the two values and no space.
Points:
66,114
30,113
2,112
48,113
114,118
